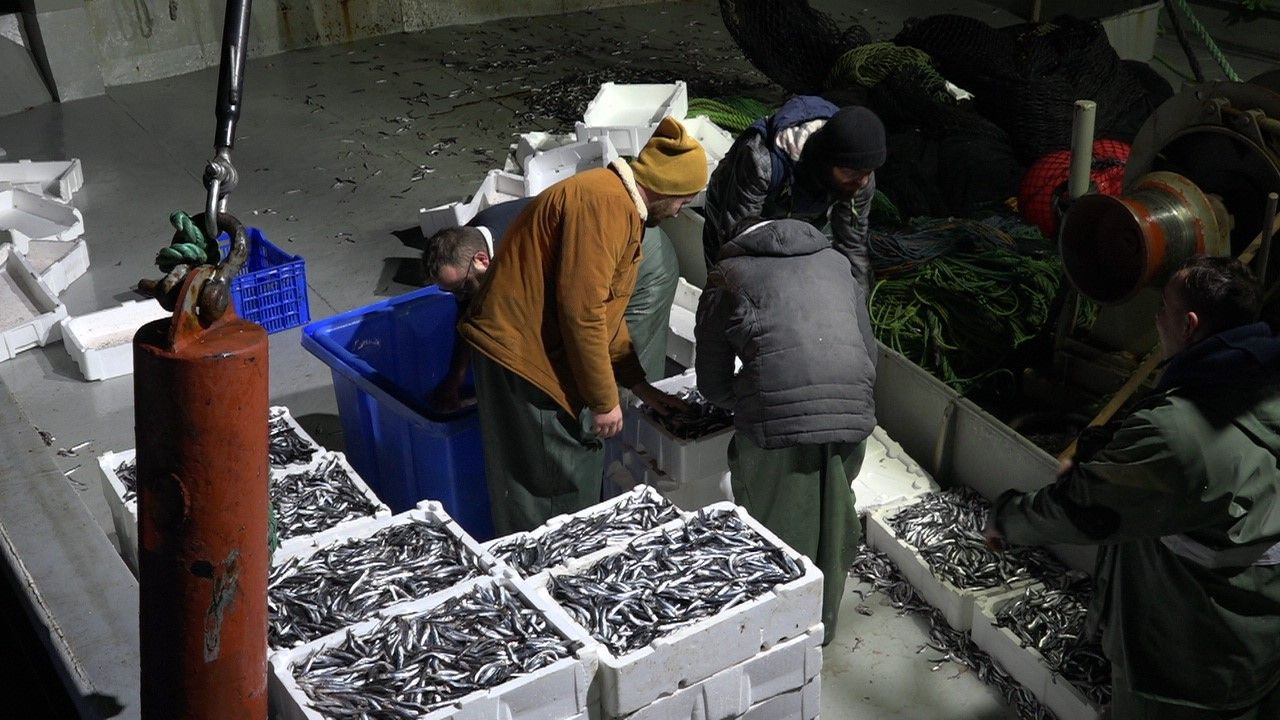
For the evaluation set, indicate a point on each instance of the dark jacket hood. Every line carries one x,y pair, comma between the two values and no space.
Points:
777,238
797,110
1246,355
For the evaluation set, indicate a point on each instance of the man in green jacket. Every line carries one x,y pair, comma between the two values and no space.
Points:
1184,500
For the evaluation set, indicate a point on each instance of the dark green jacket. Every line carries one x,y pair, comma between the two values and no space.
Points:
1185,502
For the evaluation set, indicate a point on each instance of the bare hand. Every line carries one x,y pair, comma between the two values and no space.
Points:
992,535
660,402
608,424
1065,467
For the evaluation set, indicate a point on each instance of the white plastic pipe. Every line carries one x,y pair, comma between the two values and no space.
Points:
1081,148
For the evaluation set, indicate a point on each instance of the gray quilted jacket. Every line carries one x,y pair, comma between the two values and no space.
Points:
783,300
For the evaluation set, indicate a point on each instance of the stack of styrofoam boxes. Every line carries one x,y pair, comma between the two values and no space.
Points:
548,167
715,140
1026,665
555,692
691,473
37,219
101,342
29,310
760,659
628,114
124,512
498,186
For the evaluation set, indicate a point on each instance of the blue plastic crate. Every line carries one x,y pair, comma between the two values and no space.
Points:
271,289
386,359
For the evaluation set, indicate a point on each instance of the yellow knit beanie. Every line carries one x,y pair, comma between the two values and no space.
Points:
672,162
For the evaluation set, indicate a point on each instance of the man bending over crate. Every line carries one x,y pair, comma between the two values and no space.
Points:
547,327
785,303
1184,499
456,259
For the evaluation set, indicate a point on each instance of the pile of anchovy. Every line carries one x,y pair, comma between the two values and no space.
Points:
1053,622
876,569
315,500
343,584
127,471
666,580
287,447
632,516
408,666
566,98
946,529
702,419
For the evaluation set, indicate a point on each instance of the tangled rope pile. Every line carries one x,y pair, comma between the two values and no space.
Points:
957,297
734,114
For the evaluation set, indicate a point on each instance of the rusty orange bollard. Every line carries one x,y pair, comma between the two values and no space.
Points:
201,422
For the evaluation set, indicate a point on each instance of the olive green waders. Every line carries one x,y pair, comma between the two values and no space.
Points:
803,495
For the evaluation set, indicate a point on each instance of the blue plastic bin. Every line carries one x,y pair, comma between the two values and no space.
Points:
271,289
386,359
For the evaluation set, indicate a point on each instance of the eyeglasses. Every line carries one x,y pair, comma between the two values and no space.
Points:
471,264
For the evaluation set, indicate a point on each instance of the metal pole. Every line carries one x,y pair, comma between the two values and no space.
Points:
1081,148
235,41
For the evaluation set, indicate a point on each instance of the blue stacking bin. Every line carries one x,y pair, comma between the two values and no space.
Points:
386,359
271,288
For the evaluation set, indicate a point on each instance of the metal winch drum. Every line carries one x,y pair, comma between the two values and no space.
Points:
1196,183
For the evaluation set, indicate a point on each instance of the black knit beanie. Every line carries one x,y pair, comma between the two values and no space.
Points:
853,138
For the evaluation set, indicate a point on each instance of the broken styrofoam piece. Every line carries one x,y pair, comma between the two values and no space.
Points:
628,114
58,263
27,216
58,179
498,187
29,311
549,167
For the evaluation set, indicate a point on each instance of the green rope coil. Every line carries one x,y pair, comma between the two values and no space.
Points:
734,114
1214,50
189,245
869,64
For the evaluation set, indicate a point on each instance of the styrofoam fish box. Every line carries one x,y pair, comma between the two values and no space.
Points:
277,412
715,140
428,511
319,460
59,178
685,232
497,187
628,114
689,494
702,649
683,460
29,310
1026,665
101,342
124,513
633,493
556,692
681,345
788,666
802,704
58,263
26,216
955,604
888,475
546,168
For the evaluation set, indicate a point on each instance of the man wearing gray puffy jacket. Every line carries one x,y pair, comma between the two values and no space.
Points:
810,161
784,302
